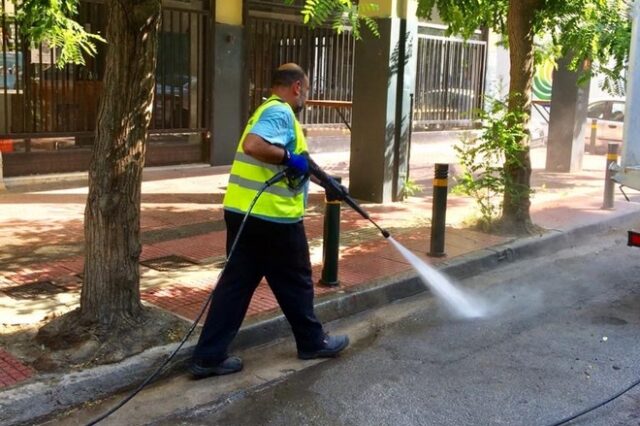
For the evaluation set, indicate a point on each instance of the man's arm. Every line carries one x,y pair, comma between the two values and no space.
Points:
262,150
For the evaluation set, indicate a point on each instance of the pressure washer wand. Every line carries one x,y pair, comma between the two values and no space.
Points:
332,185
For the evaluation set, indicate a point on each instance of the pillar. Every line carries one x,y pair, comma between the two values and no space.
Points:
569,103
384,79
497,71
228,81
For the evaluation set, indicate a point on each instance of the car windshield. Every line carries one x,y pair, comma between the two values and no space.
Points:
597,110
617,111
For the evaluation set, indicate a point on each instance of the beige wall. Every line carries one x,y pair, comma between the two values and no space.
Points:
229,12
392,8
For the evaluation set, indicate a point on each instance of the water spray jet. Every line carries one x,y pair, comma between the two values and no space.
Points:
460,303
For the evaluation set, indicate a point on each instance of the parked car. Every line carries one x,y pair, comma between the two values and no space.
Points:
609,116
172,101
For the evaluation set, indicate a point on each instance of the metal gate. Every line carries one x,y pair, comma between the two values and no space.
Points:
48,112
327,56
450,81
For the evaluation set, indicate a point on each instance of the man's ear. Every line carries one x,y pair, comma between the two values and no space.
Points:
297,87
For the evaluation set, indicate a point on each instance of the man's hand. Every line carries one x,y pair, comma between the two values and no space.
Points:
297,163
335,191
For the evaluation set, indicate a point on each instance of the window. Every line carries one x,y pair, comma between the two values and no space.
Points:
617,111
597,110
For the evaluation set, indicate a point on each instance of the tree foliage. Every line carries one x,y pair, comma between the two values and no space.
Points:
595,31
53,21
599,35
482,157
341,14
596,34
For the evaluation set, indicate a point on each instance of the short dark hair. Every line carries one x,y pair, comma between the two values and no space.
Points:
287,76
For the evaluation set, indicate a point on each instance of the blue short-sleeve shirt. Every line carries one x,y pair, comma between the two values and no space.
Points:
276,126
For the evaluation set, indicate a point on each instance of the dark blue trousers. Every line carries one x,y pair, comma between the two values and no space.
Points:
280,253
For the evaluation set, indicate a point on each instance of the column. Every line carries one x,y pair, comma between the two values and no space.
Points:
384,79
569,103
228,81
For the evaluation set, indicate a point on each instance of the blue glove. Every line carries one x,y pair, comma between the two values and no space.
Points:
297,163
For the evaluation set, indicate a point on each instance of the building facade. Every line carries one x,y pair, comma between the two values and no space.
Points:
214,66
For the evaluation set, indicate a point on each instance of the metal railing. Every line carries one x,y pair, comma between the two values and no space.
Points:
182,73
450,82
327,56
38,99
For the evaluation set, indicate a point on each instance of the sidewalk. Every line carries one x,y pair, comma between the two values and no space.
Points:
41,262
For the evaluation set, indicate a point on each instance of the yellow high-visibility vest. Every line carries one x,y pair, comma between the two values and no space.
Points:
278,202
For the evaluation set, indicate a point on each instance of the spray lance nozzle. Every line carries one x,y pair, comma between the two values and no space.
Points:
340,193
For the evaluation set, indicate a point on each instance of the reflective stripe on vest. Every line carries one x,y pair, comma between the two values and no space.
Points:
248,175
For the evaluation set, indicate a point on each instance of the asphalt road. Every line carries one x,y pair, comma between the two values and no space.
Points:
563,335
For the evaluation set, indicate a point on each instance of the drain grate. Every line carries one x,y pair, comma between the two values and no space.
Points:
168,263
34,289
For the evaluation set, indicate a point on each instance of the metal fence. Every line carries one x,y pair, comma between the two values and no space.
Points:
450,73
182,74
39,99
327,56
450,82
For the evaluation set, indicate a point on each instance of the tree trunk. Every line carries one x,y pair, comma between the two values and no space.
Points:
2,187
515,209
111,290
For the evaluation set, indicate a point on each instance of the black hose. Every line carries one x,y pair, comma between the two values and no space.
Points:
277,177
588,410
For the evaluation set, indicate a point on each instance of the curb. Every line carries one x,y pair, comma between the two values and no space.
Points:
31,182
53,393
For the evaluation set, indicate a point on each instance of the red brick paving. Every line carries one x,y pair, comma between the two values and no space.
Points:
41,272
359,264
12,371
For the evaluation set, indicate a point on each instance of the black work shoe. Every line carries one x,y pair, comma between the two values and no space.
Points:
333,345
200,370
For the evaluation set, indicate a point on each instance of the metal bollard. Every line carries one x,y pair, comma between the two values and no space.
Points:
439,210
612,158
331,241
593,137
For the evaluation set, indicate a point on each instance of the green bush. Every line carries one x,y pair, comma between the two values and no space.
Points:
411,188
483,159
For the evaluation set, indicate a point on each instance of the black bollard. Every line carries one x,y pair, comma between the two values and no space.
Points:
612,158
331,241
593,137
439,210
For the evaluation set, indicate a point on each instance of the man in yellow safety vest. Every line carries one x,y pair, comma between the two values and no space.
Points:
273,243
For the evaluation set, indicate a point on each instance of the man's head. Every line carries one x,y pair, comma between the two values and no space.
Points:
291,83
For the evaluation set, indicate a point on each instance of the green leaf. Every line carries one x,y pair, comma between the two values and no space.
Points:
51,21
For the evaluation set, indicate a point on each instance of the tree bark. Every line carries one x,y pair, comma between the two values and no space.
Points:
2,187
111,291
515,209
